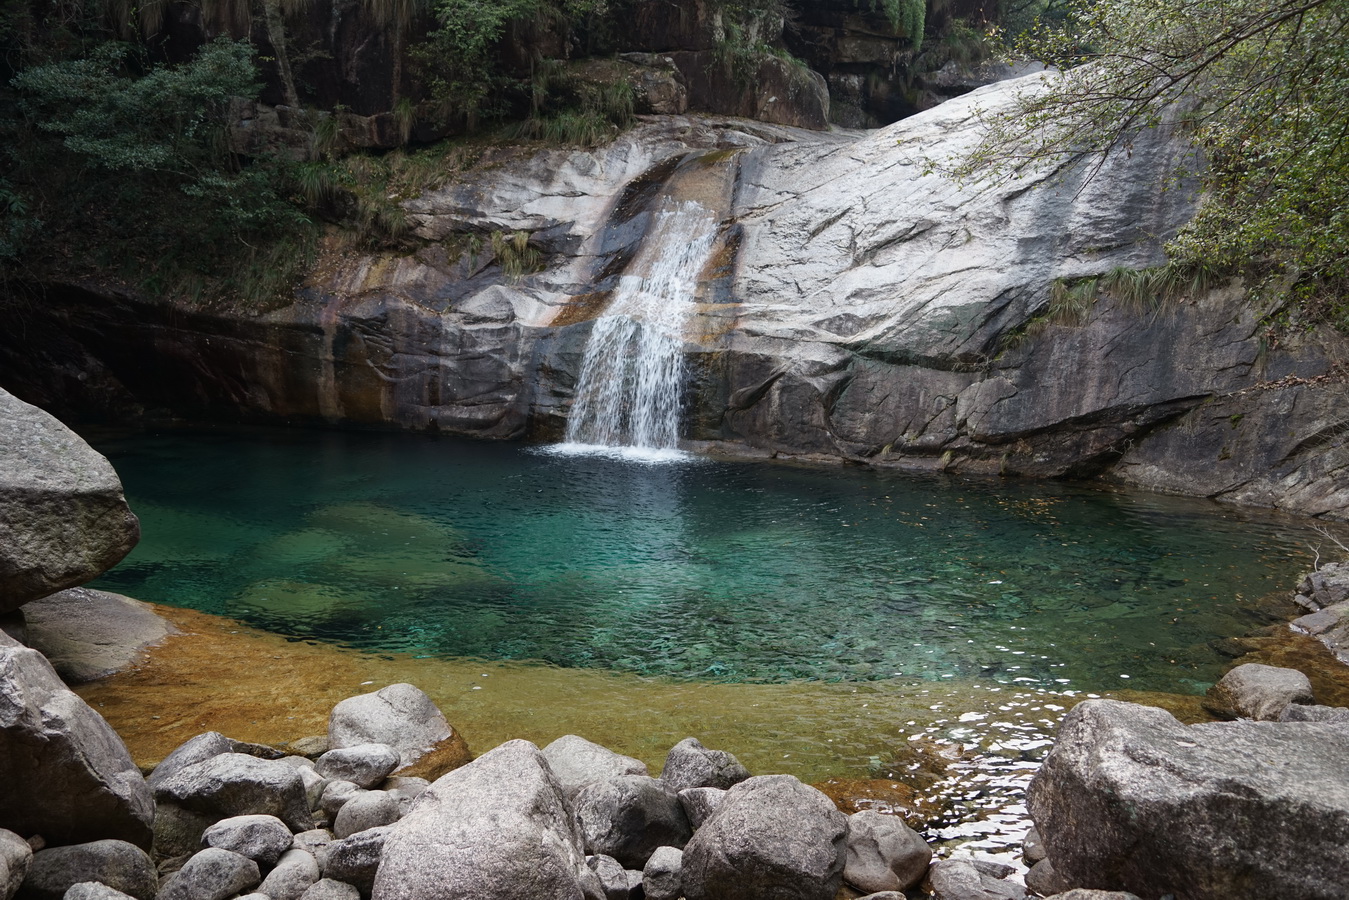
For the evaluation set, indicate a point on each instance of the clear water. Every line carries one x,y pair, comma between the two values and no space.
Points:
736,572
630,390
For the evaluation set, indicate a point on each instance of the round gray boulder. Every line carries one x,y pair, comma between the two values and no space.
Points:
364,765
577,762
261,838
92,890
294,872
356,859
884,854
328,889
662,875
628,817
1254,691
236,784
366,810
212,874
691,765
771,838
699,803
117,864
399,715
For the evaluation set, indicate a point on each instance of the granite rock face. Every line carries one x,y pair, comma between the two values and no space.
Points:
856,305
63,518
1131,800
66,773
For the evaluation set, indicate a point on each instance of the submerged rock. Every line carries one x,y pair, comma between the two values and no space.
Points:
66,774
499,826
87,634
63,518
1130,799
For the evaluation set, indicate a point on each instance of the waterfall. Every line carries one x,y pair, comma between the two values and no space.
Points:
630,391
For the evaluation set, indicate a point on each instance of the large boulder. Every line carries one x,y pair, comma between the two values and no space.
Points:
577,762
1130,799
497,827
771,838
628,817
116,864
884,854
212,874
1254,691
63,519
66,773
236,784
403,717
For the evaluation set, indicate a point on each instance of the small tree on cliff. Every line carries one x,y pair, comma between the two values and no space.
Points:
1265,85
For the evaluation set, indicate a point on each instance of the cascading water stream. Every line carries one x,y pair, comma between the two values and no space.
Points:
630,391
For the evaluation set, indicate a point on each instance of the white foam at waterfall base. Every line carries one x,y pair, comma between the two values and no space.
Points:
629,396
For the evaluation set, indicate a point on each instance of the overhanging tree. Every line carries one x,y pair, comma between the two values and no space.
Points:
1265,88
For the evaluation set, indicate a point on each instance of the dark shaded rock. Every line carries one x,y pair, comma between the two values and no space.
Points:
370,809
699,803
66,773
499,826
1088,894
212,874
577,762
884,854
63,518
691,765
1043,880
661,876
1032,848
961,879
364,765
87,634
1130,799
628,817
355,859
771,837
116,864
295,871
1254,691
261,838
178,832
235,784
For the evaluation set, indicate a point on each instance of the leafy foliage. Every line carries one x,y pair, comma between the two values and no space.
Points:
1263,89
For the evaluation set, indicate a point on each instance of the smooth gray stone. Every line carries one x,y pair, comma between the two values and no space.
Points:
87,634
66,774
399,715
1044,880
364,765
499,826
212,874
364,811
577,762
261,838
1254,691
335,795
884,854
771,836
629,816
961,879
1130,799
691,765
92,890
1032,848
661,878
63,518
236,784
117,864
405,790
294,872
